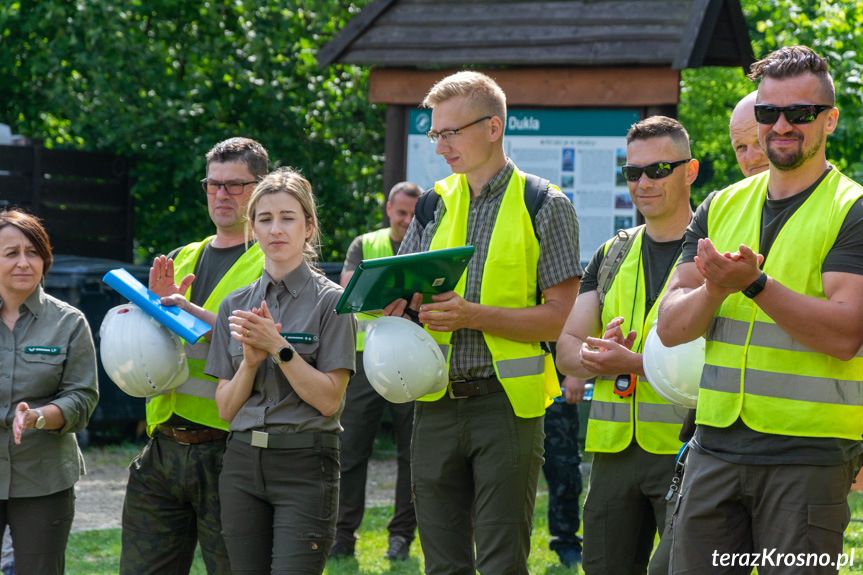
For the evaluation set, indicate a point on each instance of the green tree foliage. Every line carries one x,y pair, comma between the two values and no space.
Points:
164,80
833,28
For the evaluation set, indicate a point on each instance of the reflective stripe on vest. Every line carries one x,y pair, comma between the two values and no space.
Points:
195,398
770,335
525,370
656,423
754,369
376,244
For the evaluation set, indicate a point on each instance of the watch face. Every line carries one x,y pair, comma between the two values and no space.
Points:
286,353
623,382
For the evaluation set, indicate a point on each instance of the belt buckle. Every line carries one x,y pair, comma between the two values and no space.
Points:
260,439
174,434
452,395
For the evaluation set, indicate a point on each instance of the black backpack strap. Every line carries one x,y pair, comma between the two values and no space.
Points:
424,210
535,192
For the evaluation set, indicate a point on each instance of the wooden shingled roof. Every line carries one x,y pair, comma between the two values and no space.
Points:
574,33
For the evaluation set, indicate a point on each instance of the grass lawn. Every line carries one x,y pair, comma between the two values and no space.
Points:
98,552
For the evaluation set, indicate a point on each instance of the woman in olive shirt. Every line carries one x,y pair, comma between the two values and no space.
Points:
48,391
283,360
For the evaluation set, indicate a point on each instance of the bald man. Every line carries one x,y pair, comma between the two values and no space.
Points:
744,137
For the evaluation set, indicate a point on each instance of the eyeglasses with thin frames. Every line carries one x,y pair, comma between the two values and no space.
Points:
444,134
655,171
233,188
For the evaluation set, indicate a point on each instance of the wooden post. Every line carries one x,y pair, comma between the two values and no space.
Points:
395,149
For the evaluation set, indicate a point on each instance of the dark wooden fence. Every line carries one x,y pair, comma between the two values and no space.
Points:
84,198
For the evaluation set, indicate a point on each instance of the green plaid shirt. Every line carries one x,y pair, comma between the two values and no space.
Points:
557,229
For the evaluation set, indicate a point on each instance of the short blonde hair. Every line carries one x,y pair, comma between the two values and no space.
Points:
481,92
291,182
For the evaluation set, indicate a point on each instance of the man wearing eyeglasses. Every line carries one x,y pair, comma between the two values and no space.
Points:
172,496
477,446
632,431
780,409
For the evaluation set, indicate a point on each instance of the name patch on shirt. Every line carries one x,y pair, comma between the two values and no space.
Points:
42,350
300,337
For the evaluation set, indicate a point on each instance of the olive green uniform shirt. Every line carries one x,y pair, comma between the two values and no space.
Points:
48,358
303,301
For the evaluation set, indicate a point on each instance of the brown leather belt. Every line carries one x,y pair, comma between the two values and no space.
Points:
192,436
474,388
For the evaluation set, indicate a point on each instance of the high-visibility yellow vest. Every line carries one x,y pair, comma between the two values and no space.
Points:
613,419
508,280
376,244
195,399
755,370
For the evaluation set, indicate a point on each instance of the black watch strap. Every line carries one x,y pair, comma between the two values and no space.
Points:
755,288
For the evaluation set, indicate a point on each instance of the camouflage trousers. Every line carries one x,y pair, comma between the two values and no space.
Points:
562,475
172,502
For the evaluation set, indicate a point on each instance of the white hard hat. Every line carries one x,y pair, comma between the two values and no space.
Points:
402,361
139,354
674,373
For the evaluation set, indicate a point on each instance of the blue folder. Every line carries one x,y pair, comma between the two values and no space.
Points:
177,320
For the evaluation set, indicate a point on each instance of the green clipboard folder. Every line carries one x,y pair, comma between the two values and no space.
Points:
377,283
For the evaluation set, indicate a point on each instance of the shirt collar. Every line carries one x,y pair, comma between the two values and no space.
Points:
35,301
294,282
499,181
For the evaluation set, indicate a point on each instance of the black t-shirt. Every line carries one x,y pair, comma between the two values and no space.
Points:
738,443
657,258
210,268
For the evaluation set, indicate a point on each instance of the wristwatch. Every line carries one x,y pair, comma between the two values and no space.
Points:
755,288
283,355
40,421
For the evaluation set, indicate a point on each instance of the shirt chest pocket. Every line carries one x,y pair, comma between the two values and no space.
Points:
236,351
308,351
40,373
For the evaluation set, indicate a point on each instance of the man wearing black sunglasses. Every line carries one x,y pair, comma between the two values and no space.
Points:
780,409
633,432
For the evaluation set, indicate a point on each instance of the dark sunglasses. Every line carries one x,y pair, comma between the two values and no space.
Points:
654,171
796,114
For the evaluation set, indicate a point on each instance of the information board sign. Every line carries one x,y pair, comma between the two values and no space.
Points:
580,151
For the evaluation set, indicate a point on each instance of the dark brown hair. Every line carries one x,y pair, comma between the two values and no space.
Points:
658,127
242,150
792,61
32,229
